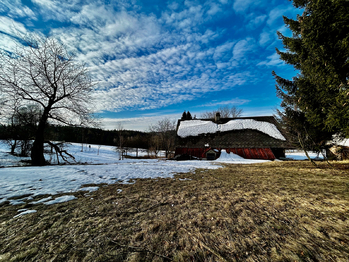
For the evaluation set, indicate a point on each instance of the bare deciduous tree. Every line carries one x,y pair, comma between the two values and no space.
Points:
225,112
120,147
43,72
164,134
21,126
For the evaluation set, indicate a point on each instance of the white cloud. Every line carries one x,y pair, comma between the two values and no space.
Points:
232,102
272,60
53,10
256,21
223,50
264,38
214,9
11,27
10,31
136,123
243,47
275,15
173,5
242,5
7,43
64,10
15,8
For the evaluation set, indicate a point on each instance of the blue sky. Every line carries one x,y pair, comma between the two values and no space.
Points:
153,59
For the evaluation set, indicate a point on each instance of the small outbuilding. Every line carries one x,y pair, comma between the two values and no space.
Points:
338,149
249,137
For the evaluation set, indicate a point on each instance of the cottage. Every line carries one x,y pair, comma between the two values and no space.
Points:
248,137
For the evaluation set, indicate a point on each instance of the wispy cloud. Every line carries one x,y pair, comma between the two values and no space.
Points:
243,5
278,12
272,60
11,27
232,102
242,48
15,8
137,123
141,64
256,21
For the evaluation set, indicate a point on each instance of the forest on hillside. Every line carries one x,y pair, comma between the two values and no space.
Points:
125,138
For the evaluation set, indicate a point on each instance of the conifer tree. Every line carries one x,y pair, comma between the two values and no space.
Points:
319,51
184,116
189,117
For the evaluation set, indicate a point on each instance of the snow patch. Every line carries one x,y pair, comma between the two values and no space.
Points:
41,200
236,159
89,188
197,127
24,212
60,199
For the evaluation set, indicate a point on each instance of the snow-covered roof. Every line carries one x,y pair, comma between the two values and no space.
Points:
339,141
197,127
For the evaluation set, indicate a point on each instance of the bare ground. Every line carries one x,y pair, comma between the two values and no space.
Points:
277,211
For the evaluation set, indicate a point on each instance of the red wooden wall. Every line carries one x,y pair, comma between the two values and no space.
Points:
248,153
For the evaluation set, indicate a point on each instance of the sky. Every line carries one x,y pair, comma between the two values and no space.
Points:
154,59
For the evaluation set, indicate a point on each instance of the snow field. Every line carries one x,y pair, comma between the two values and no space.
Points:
19,184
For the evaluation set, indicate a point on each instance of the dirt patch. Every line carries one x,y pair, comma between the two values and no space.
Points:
277,211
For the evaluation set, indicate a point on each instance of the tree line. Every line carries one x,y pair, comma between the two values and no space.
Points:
20,137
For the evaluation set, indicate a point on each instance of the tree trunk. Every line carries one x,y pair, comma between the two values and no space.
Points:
37,153
305,151
13,147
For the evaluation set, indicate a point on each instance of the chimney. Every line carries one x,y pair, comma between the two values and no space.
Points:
217,117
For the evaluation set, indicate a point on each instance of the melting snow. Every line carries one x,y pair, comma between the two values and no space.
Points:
24,183
60,199
236,159
19,184
24,212
197,127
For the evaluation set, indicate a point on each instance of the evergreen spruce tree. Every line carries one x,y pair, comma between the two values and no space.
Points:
184,116
189,117
319,51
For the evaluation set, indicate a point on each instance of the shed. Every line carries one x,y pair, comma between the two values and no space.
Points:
338,149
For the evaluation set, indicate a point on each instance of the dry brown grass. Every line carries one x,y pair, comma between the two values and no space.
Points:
277,211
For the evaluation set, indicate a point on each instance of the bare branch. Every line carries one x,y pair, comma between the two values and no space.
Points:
225,112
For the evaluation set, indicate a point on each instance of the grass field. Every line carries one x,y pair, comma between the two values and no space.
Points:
276,211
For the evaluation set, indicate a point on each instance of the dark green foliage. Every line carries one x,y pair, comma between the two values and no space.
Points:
189,117
134,139
301,133
319,50
186,116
